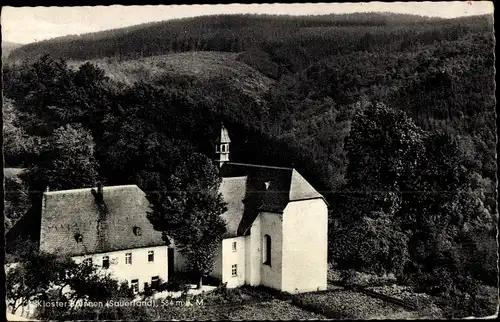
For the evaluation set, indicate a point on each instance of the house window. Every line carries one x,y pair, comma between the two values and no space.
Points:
224,148
234,270
155,282
134,284
234,246
105,262
151,256
266,250
128,258
88,261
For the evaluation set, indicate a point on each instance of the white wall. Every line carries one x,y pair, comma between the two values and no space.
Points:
271,224
140,268
230,257
253,256
305,246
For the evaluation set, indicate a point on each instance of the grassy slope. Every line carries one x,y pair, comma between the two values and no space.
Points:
201,66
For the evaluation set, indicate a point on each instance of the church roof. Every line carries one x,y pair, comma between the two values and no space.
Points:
250,189
68,214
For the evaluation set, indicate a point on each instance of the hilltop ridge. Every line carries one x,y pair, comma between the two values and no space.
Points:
232,33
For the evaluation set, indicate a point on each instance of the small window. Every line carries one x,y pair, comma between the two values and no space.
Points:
234,270
134,284
151,256
234,246
78,238
137,231
128,258
155,282
88,261
105,261
266,250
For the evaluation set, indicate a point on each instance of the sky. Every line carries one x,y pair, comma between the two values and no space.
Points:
29,24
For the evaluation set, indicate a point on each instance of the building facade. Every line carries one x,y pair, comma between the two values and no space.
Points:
277,227
107,226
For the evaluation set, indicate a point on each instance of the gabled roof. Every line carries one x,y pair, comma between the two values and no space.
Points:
250,189
69,213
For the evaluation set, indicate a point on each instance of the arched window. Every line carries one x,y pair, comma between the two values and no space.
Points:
266,250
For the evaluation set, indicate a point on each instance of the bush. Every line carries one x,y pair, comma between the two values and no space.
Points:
175,284
351,277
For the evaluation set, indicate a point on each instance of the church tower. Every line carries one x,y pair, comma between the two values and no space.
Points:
222,146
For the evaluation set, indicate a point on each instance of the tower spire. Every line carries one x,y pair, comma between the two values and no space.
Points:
222,146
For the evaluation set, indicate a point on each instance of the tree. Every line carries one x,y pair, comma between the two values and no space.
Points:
447,211
66,161
187,208
19,147
17,201
49,95
383,147
48,277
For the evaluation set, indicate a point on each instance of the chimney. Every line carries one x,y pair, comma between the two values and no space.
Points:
99,191
98,195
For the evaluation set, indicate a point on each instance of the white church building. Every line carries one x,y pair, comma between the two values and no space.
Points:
276,229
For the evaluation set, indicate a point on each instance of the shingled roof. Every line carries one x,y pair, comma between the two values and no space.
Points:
70,215
249,189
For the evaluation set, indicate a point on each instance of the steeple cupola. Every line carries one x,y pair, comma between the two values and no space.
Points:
222,146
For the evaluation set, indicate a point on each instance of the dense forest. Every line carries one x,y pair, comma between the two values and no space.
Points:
357,103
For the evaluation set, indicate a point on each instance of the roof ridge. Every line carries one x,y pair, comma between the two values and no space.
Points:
261,166
238,177
90,188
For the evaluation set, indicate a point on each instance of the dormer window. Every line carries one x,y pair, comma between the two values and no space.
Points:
78,238
137,231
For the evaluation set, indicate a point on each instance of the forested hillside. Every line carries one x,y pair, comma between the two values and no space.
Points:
392,117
